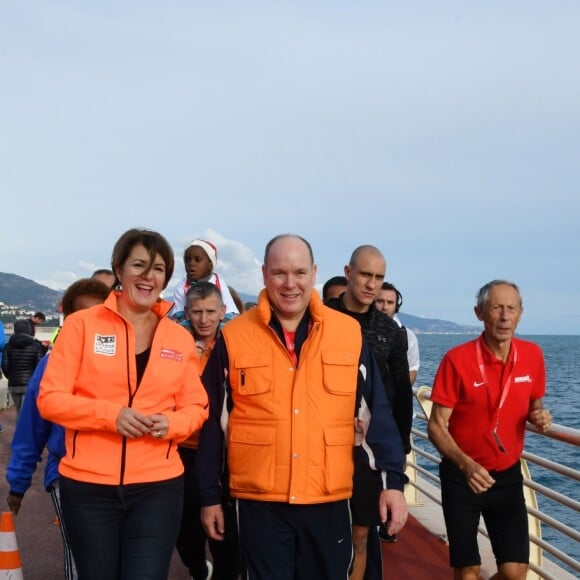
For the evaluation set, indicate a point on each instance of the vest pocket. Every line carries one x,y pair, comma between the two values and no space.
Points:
251,457
251,375
338,458
335,367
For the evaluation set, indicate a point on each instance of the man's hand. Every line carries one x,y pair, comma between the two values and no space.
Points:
541,419
14,503
392,501
478,478
212,520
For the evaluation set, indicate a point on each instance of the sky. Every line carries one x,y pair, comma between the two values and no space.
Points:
447,134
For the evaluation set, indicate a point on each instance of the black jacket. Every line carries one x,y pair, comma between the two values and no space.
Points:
20,357
388,343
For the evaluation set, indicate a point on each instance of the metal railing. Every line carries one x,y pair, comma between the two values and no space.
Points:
536,517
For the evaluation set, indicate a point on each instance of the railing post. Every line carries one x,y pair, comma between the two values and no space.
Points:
411,491
534,524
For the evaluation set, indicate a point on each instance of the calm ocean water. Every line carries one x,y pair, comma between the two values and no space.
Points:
562,355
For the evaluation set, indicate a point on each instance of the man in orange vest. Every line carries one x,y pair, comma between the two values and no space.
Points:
298,389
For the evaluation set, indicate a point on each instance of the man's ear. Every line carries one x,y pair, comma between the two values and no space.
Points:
478,313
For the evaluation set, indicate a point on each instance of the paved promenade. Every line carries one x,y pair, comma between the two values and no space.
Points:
418,555
38,538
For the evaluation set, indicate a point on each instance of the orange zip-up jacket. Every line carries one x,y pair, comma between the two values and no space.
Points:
91,375
291,428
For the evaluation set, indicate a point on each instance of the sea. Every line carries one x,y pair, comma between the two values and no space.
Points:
562,356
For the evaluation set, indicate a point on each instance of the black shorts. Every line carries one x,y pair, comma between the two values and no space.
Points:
366,488
503,509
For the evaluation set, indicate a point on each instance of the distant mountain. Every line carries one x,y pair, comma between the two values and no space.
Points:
435,326
415,323
18,291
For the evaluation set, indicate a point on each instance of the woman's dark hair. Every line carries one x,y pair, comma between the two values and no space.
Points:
152,241
83,287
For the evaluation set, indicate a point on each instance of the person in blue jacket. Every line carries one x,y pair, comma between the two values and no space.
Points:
33,433
2,343
2,337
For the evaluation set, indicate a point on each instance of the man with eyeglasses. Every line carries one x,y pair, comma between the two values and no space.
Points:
484,392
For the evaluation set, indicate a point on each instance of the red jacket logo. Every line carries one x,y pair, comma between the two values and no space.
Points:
171,354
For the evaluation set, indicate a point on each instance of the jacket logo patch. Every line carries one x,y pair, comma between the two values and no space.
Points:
171,354
106,345
524,379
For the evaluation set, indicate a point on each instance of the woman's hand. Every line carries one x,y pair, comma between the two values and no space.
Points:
160,425
132,424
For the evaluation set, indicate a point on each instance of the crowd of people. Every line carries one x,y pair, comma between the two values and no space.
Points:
270,435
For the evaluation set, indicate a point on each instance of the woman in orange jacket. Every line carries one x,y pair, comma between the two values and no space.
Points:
123,379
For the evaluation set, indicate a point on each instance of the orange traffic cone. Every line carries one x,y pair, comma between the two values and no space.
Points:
10,565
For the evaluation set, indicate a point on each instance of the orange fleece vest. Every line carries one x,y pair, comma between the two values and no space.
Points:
290,432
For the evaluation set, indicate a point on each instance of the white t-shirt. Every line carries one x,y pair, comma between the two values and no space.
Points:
412,347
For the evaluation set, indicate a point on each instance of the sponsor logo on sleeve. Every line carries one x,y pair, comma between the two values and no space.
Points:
524,379
106,345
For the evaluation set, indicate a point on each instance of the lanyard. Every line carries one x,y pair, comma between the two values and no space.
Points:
507,384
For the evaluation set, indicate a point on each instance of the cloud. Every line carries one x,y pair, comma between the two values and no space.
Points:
58,280
237,263
443,134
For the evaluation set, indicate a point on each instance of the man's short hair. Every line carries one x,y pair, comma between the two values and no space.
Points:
279,237
331,282
103,272
399,296
201,290
40,316
357,251
483,294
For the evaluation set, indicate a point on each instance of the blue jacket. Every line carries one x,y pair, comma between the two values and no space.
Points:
31,436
